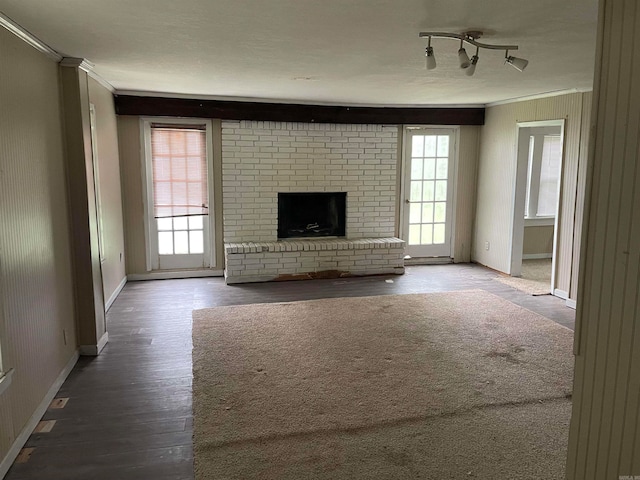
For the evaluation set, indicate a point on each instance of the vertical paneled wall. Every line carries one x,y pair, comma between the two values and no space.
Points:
35,256
113,271
605,427
465,202
132,195
496,180
587,100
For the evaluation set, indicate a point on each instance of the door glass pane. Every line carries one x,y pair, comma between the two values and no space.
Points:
414,213
430,146
443,165
428,193
416,168
416,191
181,240
443,145
165,243
438,233
180,223
429,168
440,212
441,190
196,242
417,146
164,224
414,234
427,212
196,223
427,236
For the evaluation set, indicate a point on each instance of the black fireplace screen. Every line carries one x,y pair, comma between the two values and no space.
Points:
319,214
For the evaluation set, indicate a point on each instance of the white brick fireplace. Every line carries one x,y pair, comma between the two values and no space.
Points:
261,159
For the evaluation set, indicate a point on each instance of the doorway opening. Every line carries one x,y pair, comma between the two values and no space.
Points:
537,203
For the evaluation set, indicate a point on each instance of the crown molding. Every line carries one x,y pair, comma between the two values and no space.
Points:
102,81
555,93
29,38
86,66
74,62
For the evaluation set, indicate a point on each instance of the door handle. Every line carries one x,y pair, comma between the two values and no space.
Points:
407,201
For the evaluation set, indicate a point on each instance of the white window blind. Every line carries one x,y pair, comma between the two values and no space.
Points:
179,159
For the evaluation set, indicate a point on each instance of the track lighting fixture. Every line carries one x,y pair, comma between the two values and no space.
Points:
518,63
431,59
474,61
463,58
469,65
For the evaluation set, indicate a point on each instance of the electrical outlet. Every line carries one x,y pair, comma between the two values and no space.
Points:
486,245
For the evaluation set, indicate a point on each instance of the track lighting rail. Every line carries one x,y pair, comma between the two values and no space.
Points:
469,37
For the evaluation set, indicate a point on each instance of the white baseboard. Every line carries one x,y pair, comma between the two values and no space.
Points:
536,256
571,303
561,293
168,275
21,439
94,350
115,294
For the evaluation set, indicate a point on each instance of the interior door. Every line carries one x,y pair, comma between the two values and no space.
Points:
428,192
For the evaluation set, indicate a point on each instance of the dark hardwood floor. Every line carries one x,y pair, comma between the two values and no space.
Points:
129,410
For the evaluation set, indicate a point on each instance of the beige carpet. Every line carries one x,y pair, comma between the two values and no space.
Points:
535,277
431,386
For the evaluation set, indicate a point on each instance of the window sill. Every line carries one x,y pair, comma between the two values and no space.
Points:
539,221
5,381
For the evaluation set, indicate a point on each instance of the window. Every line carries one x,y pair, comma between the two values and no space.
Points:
543,176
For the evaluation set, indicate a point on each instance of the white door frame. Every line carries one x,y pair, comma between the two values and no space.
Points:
519,197
150,233
453,169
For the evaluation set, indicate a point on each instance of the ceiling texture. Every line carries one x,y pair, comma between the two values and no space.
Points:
346,52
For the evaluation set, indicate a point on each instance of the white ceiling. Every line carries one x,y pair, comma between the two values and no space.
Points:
319,51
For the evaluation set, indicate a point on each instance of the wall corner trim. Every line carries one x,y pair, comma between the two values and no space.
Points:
21,439
94,350
29,38
115,294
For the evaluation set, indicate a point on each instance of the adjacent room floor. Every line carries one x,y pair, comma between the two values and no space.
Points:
128,414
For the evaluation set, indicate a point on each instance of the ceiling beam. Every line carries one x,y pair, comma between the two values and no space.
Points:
285,112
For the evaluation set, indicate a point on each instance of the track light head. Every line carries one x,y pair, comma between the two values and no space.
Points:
463,58
431,59
472,67
518,63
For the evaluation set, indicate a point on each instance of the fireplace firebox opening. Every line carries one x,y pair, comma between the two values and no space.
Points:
316,214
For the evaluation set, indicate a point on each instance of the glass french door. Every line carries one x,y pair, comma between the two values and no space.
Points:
178,179
428,192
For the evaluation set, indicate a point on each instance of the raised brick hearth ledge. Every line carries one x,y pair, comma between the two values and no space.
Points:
318,258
